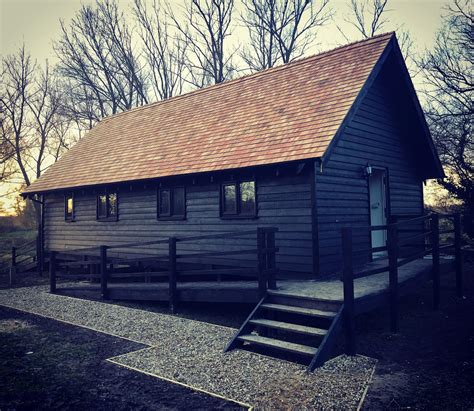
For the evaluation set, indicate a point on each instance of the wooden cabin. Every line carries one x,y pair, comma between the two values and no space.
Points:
336,139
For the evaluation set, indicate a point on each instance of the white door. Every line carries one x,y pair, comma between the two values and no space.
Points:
378,208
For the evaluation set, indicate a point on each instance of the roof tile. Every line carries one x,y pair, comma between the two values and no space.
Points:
286,113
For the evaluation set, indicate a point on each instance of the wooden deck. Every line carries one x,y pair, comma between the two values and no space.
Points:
369,291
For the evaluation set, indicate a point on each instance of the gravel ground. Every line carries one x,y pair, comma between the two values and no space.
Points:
49,365
190,352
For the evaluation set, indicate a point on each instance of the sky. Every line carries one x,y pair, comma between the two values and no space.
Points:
36,23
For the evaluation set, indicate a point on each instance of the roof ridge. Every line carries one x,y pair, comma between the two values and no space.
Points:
250,75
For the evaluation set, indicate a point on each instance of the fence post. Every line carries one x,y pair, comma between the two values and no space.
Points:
38,256
271,259
103,272
435,253
52,272
392,247
261,262
348,279
13,266
172,274
458,254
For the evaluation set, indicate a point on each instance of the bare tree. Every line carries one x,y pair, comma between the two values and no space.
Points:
98,61
30,106
368,16
205,26
43,103
281,30
449,94
165,52
260,21
17,81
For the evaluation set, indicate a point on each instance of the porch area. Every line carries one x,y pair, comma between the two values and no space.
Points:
300,318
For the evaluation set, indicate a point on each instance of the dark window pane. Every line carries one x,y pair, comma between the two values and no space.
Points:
230,199
164,208
179,201
247,197
112,211
69,207
102,206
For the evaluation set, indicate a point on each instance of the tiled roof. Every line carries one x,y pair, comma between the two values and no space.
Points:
286,113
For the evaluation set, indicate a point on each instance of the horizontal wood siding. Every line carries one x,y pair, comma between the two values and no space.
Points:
376,135
284,202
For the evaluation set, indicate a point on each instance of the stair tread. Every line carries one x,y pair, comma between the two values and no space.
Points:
303,329
289,294
299,310
279,344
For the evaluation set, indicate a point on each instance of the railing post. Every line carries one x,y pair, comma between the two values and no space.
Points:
261,262
52,272
271,259
348,280
172,274
13,266
392,247
41,246
103,272
38,256
458,254
435,251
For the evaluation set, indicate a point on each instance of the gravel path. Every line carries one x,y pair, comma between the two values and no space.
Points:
190,352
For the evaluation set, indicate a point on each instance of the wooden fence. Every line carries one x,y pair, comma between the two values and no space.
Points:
25,257
172,265
423,238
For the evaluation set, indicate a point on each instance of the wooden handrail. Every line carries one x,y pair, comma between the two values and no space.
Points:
265,253
393,245
216,236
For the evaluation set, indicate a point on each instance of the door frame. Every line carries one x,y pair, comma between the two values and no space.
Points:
388,211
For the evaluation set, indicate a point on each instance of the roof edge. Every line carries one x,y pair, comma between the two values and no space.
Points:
419,112
26,194
362,93
251,75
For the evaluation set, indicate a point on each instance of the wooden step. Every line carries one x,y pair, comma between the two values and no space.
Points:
299,310
289,294
301,329
278,344
288,298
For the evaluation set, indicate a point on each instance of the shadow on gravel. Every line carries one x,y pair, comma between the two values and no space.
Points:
45,364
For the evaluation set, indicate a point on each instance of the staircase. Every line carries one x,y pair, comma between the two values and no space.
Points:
284,324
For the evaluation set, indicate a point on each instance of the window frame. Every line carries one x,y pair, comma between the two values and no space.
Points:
238,212
170,215
108,217
72,218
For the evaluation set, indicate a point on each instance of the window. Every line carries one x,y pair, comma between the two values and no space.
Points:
69,207
239,199
107,207
171,203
